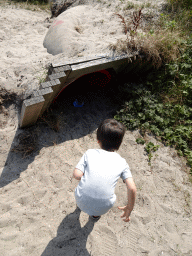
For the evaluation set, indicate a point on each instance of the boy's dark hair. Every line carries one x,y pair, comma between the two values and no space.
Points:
110,133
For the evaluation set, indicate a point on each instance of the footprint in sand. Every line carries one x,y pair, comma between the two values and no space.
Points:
133,237
129,237
104,242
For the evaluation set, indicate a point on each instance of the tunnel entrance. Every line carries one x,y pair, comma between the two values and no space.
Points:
86,88
94,92
103,85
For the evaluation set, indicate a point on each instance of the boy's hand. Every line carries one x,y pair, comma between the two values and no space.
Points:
126,213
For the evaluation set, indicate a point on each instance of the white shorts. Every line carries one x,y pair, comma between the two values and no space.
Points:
94,206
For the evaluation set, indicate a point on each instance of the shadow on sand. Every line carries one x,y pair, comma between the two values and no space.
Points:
72,122
71,239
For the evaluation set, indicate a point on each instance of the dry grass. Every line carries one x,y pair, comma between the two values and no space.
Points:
162,46
130,30
131,25
27,143
119,47
125,27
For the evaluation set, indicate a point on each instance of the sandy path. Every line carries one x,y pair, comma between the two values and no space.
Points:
38,210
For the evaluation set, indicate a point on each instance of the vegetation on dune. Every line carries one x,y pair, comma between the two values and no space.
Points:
161,103
33,5
32,1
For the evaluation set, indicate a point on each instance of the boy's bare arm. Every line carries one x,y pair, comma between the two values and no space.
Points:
77,174
131,190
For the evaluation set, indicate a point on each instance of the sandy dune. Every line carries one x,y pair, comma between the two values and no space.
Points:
38,209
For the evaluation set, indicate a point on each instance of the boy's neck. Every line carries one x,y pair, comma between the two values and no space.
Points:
99,142
108,150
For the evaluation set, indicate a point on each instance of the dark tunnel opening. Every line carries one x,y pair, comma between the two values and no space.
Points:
87,88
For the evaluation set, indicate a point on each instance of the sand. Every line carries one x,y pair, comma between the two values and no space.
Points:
38,209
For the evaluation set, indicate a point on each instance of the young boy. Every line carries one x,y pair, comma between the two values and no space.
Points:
98,172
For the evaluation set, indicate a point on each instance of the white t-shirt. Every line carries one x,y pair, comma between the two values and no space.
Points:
95,192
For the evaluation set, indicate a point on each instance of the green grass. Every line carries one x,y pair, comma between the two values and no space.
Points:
129,6
36,2
181,12
32,5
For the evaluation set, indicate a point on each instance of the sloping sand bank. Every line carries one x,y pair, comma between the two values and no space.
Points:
37,207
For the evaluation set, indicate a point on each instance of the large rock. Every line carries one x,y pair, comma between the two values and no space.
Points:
83,30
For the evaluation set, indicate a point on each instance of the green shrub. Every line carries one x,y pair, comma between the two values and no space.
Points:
149,148
181,11
140,141
163,104
184,4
